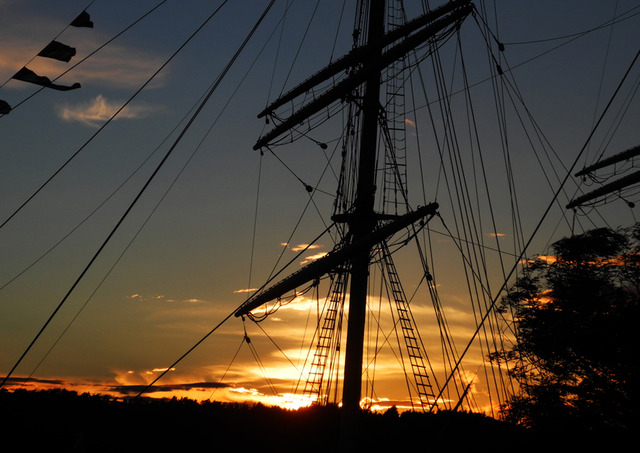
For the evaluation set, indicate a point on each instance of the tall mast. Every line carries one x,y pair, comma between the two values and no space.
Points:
366,227
362,222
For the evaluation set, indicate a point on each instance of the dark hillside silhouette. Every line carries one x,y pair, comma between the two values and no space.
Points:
60,420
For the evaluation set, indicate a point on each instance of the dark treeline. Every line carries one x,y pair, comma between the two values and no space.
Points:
60,420
64,421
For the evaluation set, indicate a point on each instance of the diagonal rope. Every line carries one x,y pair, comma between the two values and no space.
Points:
144,85
228,368
134,202
543,217
54,38
94,52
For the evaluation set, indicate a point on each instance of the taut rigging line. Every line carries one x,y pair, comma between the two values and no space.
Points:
134,202
144,85
544,215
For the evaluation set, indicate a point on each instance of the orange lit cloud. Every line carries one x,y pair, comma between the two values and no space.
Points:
615,261
106,72
117,66
114,65
162,370
300,247
140,298
545,297
128,383
549,259
12,59
497,235
311,258
298,304
99,110
16,52
409,122
131,377
160,298
383,404
245,290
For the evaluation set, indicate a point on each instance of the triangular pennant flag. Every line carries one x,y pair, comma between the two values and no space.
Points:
4,107
58,51
83,20
26,75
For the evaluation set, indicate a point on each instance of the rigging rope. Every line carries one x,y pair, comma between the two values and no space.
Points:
489,340
255,221
94,52
548,209
256,357
144,85
35,56
146,220
133,203
109,197
615,20
313,15
604,67
276,345
228,368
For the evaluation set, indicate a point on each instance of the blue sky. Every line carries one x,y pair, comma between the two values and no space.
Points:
192,254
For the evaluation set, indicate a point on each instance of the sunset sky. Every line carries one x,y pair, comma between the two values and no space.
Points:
184,259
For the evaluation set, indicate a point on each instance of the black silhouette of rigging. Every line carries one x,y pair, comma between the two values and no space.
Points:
367,229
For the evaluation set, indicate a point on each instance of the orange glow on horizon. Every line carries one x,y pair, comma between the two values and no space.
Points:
549,259
231,394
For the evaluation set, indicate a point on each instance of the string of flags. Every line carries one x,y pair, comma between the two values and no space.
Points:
57,51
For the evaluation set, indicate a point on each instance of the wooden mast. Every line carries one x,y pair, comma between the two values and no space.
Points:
362,221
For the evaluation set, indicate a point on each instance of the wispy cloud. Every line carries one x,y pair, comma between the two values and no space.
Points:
245,290
35,381
497,235
162,370
135,389
300,247
142,298
119,67
99,110
113,66
309,259
161,298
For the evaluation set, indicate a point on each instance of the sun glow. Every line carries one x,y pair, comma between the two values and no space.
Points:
291,401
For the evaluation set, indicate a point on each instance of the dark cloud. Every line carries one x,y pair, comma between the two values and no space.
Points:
135,389
31,380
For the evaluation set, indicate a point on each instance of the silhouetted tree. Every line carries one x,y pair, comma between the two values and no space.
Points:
63,421
575,318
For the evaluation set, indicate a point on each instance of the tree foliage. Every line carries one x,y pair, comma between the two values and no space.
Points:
575,318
